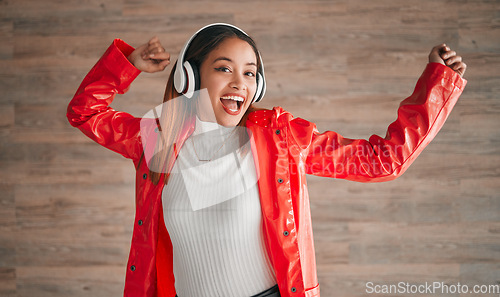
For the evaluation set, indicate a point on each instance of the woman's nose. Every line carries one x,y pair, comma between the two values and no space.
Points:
238,83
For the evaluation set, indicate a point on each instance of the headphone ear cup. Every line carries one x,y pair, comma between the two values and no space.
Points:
261,88
179,78
196,77
192,79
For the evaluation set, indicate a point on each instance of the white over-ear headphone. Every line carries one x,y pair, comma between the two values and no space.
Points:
186,78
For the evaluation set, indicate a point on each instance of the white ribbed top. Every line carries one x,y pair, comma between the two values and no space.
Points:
212,213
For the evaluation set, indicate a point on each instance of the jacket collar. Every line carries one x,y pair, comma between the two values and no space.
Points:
272,118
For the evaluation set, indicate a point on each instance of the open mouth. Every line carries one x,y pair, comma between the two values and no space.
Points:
232,103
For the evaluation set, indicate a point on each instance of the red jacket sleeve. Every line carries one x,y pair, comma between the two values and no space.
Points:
89,109
420,117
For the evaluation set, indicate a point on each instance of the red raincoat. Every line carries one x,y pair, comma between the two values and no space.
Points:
285,149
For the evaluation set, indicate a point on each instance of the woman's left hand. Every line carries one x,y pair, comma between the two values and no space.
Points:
150,57
444,55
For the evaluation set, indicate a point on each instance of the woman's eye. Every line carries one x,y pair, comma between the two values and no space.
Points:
222,69
249,73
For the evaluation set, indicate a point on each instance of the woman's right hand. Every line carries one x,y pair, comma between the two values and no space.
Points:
150,57
444,55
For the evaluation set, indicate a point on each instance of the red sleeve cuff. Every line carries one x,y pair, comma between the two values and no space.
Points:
123,47
438,71
115,60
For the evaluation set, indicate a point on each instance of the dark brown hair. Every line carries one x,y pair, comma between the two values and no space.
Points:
172,123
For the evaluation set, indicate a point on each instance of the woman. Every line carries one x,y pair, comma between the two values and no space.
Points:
177,233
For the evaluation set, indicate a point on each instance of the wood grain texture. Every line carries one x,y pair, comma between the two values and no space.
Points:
67,205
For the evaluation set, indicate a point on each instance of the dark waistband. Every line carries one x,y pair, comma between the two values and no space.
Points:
271,292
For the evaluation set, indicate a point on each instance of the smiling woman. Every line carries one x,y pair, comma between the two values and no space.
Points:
224,210
229,75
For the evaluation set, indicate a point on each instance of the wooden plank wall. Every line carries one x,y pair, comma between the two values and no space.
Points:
67,205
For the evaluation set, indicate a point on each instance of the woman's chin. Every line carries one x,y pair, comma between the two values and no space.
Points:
229,122
228,119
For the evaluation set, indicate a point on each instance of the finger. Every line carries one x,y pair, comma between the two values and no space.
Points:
156,50
154,42
160,66
155,39
456,66
435,54
153,46
160,56
460,68
155,53
453,60
448,54
163,64
439,48
445,48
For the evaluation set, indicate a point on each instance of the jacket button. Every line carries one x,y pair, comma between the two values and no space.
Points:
278,132
280,180
144,176
294,290
140,222
156,129
132,268
286,233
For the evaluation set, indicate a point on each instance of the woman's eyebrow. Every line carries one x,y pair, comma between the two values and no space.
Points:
229,60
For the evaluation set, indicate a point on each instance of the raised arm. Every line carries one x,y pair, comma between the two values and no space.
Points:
89,109
420,117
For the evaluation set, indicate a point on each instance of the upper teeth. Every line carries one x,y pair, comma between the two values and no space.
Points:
235,98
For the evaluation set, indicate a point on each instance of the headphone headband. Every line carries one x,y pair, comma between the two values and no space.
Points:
185,74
